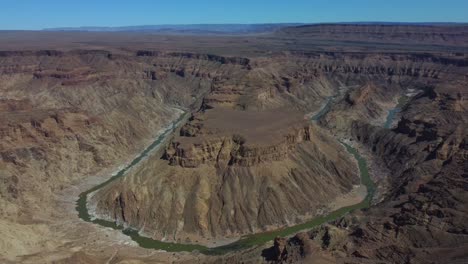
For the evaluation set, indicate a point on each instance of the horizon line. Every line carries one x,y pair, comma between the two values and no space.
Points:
76,28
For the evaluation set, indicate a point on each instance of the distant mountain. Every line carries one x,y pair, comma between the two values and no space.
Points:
230,29
186,29
400,23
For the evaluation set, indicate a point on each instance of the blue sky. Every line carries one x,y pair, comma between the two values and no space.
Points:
38,14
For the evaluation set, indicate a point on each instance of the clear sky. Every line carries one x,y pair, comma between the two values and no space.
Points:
38,14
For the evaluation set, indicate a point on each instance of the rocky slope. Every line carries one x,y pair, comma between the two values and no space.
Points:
422,216
425,212
67,115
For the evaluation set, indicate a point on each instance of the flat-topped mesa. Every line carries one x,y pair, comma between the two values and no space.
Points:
231,173
233,149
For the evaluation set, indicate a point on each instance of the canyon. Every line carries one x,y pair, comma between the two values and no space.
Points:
246,158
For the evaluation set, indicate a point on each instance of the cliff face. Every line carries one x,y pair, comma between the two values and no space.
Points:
426,204
66,116
221,150
399,76
88,104
229,151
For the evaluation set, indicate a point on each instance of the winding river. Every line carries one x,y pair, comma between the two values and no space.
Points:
244,242
392,112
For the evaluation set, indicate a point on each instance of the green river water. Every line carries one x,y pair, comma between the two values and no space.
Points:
392,112
246,241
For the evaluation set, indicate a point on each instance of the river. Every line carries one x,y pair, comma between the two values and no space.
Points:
392,112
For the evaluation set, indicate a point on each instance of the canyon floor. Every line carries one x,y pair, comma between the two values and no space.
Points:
260,148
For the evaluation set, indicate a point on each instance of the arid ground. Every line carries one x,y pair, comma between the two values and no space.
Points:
268,121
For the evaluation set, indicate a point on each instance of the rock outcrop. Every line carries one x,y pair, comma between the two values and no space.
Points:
302,248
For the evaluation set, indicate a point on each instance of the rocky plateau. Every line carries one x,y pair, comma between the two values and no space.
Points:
248,159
